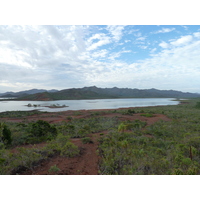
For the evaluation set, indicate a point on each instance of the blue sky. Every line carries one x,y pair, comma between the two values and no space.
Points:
126,56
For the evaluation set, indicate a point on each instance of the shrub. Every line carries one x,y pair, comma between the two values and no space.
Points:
197,105
193,170
43,130
127,125
57,144
129,112
5,134
54,169
178,172
122,127
69,118
147,115
86,140
69,150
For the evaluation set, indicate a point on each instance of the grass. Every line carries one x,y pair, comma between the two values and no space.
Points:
147,115
54,169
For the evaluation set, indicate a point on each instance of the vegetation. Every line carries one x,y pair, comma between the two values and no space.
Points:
106,93
43,130
17,114
54,169
87,140
147,115
171,147
78,128
28,158
25,158
130,147
5,135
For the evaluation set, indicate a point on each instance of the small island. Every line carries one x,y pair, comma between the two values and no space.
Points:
51,106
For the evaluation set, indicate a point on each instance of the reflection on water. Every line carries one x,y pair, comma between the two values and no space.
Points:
85,104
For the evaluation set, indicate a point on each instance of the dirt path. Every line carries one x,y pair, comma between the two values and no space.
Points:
84,164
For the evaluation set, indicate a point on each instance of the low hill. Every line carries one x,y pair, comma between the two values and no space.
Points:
105,93
25,93
67,94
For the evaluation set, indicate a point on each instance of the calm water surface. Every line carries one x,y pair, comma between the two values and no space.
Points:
85,104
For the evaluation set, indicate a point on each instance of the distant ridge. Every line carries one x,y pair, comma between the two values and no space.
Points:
94,92
25,93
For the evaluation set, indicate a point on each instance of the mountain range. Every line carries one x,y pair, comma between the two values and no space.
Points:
25,93
94,92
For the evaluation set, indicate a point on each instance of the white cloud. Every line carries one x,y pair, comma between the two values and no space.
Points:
143,47
138,34
141,38
34,54
102,53
164,45
182,41
196,34
117,54
164,30
116,31
132,31
153,50
102,40
185,27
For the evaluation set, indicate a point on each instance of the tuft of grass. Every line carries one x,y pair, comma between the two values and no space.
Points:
147,115
54,169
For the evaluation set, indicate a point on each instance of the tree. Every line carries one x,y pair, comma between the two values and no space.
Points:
5,134
42,128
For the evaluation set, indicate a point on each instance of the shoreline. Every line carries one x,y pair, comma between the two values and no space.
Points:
104,109
86,110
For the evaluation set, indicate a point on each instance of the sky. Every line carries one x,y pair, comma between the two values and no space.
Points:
74,56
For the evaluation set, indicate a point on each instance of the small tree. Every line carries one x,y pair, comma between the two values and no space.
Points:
42,128
5,134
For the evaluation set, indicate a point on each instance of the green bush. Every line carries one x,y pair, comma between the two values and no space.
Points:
63,146
87,140
147,115
5,134
41,131
53,169
69,150
128,125
197,105
129,112
122,127
69,118
57,144
178,172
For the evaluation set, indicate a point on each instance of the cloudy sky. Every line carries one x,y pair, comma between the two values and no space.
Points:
125,56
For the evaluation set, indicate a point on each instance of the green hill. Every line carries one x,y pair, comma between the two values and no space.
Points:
105,93
67,94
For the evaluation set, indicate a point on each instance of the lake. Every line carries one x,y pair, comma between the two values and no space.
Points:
85,104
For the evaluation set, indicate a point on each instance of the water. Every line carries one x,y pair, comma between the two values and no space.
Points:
85,104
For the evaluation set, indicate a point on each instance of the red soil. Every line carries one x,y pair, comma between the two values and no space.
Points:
87,162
